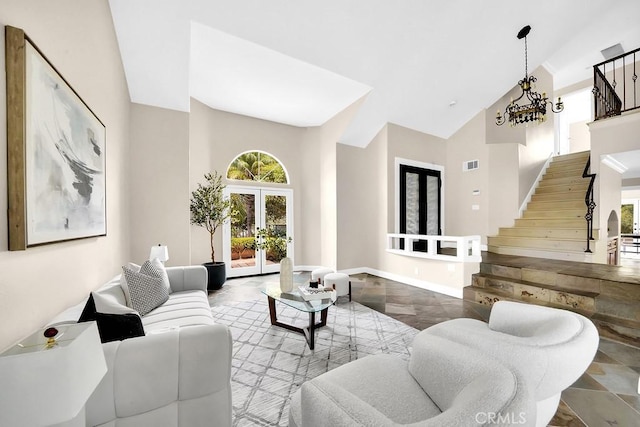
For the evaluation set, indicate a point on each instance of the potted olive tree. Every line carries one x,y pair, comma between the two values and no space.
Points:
209,209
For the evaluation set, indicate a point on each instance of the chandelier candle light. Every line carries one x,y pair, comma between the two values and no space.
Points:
536,110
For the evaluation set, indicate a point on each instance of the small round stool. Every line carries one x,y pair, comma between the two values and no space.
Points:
319,273
340,282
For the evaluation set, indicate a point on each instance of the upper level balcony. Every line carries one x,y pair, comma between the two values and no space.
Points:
615,85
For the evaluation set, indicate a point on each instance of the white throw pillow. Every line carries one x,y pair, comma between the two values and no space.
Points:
135,267
123,283
108,304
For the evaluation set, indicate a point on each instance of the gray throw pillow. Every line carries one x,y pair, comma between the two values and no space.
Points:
161,270
147,289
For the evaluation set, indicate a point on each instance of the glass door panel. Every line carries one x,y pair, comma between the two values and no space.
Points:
277,219
239,233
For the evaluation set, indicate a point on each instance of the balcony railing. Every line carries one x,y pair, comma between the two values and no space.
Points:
443,248
615,85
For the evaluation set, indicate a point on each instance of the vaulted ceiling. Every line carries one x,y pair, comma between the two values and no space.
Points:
426,65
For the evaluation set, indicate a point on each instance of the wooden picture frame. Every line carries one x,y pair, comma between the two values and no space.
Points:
55,153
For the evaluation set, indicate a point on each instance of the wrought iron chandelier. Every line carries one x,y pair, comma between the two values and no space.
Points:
536,110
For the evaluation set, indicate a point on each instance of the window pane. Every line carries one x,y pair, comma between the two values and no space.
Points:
412,201
433,208
626,222
257,166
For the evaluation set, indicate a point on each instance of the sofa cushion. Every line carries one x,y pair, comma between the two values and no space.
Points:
181,309
146,291
115,321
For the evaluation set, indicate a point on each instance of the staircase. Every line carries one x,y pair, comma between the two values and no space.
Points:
608,295
553,225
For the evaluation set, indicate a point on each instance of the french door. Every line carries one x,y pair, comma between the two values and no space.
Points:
257,236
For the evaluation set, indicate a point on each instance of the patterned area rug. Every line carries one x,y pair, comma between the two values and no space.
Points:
270,363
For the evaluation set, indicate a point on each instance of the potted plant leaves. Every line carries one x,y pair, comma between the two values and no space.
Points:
209,209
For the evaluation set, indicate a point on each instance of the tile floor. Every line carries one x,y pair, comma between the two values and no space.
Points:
606,395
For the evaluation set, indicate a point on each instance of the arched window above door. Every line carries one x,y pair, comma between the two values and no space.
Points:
257,166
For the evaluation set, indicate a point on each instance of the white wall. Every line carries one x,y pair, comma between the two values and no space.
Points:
321,168
503,186
361,201
539,142
79,39
610,136
216,138
468,144
159,183
367,209
185,146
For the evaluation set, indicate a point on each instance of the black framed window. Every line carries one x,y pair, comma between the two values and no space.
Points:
420,203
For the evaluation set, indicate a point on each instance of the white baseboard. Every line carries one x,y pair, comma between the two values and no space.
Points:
423,284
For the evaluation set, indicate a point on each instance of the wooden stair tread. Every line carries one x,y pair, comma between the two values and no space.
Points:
538,285
628,323
542,239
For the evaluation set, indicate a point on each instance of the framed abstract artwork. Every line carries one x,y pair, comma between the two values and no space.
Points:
55,153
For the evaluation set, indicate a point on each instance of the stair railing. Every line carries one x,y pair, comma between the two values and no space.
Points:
588,200
610,97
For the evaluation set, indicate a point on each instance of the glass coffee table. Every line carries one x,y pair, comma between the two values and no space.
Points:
294,300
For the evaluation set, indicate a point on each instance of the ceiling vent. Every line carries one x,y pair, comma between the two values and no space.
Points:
612,51
470,165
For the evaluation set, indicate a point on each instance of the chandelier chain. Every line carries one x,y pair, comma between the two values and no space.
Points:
526,65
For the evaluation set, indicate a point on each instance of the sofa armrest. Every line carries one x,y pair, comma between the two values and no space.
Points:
188,278
185,371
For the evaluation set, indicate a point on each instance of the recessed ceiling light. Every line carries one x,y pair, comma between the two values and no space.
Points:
611,51
452,103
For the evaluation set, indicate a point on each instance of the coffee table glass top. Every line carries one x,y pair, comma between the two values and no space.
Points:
293,299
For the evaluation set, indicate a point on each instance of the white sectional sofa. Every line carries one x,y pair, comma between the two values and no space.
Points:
178,374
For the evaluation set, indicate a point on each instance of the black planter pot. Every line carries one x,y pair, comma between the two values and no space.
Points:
217,275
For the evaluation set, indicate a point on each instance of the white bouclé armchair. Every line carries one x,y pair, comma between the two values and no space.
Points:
550,347
445,384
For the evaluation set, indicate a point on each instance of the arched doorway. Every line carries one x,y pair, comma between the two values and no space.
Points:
259,233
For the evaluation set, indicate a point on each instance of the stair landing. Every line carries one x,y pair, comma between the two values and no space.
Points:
608,295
